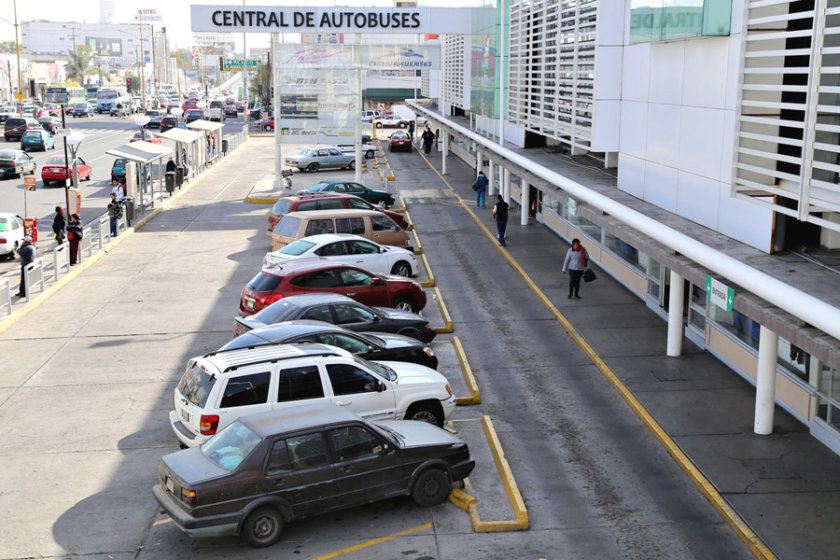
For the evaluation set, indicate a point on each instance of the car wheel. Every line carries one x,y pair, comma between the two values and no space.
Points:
404,303
312,167
352,165
403,125
401,268
88,177
263,527
378,125
410,332
430,413
369,154
431,488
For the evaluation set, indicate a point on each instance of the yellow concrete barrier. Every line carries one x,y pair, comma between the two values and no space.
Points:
447,320
431,277
472,386
461,499
418,247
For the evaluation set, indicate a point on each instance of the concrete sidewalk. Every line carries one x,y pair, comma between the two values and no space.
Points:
785,486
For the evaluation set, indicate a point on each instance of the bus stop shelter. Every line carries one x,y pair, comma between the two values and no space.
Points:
144,153
188,144
213,134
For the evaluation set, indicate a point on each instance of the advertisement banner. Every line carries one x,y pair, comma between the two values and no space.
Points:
401,57
483,75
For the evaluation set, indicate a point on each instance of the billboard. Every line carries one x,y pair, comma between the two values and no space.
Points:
483,75
105,47
401,57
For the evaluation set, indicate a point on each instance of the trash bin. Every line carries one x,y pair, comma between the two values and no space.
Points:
128,205
179,175
224,145
170,181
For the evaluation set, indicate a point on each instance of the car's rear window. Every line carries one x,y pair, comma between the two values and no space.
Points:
7,156
231,446
31,134
281,207
299,247
263,282
4,224
288,227
276,312
196,384
15,122
56,160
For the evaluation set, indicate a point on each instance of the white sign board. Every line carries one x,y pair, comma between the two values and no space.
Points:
719,293
268,19
401,57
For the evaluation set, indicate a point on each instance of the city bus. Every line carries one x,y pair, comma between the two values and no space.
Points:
66,95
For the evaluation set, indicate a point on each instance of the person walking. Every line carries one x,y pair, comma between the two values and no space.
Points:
118,190
575,262
74,236
500,212
427,138
480,188
59,225
411,130
114,214
27,255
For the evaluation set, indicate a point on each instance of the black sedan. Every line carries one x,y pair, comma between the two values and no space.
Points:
338,310
370,346
268,469
16,163
50,124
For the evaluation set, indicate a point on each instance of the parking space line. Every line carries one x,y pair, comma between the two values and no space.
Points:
472,385
447,320
753,542
373,542
429,274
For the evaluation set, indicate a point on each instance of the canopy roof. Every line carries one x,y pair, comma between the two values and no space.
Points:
205,125
181,135
143,152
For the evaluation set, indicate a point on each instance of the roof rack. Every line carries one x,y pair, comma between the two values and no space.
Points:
236,358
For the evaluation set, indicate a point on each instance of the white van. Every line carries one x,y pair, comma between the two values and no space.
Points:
219,387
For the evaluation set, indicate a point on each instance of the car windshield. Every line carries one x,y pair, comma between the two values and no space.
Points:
195,384
381,370
276,312
299,247
56,160
229,447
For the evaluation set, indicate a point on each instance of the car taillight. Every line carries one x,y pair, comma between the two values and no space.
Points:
14,164
189,497
268,300
2,240
208,424
449,389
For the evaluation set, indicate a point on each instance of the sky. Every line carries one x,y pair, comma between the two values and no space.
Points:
175,13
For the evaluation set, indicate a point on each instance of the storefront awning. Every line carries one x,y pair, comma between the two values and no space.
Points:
142,152
205,125
181,135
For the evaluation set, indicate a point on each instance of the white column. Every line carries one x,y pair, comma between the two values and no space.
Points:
357,67
278,147
478,160
491,178
525,202
445,136
765,385
675,315
506,184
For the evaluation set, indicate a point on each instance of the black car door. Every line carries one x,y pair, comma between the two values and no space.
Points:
366,466
300,471
354,317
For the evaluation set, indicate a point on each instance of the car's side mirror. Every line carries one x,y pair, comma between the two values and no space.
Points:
380,387
386,449
377,281
383,249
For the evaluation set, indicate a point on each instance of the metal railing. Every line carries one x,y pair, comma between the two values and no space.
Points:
36,269
5,296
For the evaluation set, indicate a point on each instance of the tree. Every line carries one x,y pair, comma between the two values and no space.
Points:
261,84
80,62
8,46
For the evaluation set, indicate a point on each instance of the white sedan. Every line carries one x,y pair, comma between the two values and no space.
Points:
11,234
349,249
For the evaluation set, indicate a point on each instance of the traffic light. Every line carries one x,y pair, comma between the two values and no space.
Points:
221,64
128,82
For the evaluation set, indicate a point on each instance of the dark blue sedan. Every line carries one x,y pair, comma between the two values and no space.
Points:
349,187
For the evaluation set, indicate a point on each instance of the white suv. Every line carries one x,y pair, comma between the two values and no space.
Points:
219,387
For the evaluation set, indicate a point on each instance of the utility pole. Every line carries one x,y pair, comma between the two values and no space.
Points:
142,61
245,76
20,94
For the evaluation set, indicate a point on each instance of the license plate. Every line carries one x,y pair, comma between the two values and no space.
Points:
170,485
249,303
185,416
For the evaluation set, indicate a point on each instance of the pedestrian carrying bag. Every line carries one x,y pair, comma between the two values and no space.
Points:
588,275
475,187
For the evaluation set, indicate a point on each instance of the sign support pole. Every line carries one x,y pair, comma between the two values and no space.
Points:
357,64
278,114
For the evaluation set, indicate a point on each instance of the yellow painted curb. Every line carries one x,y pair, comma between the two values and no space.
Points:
260,135
262,200
431,281
418,247
472,386
461,499
753,542
447,320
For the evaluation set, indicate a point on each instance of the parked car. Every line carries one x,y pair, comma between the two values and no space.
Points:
357,189
82,110
349,249
16,163
56,169
322,275
37,140
169,122
370,115
321,157
311,459
50,124
118,170
370,346
369,224
16,126
390,120
219,387
399,140
338,310
325,201
145,136
11,230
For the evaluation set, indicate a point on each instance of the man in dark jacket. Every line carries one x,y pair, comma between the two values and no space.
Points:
27,255
500,212
428,138
59,224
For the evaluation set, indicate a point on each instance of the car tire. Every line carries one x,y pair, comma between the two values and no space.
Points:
403,125
263,527
378,125
401,268
431,487
352,165
312,167
428,412
410,332
404,303
369,154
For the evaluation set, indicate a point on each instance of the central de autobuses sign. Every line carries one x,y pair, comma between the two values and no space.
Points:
267,19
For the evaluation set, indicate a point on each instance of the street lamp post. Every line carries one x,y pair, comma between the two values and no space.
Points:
73,141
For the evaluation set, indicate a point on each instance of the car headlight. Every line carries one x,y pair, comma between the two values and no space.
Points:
428,351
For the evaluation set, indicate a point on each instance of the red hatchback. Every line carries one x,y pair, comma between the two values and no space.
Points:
56,170
307,276
325,201
399,140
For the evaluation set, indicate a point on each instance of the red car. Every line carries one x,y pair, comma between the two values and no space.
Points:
147,136
306,276
325,201
56,170
399,140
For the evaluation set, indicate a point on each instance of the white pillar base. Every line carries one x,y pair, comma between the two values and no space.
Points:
765,383
675,316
